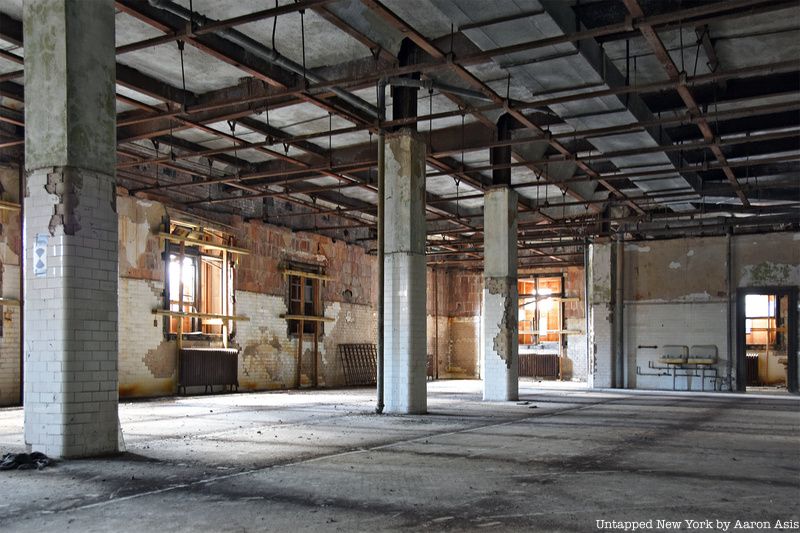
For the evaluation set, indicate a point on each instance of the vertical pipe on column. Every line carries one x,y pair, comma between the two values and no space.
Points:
381,220
619,305
586,324
731,339
435,324
20,200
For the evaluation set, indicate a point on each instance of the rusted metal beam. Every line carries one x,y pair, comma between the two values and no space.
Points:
472,80
221,24
662,54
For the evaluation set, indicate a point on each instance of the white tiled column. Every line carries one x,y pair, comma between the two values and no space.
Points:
405,321
500,330
70,234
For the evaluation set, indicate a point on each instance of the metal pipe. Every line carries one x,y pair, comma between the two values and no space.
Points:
731,340
435,323
619,304
257,49
429,84
381,240
586,307
21,201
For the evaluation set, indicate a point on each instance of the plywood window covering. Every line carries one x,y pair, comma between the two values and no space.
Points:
199,281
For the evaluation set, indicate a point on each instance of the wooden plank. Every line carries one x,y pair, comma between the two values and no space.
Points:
308,318
553,298
185,314
9,206
10,302
203,244
552,331
302,274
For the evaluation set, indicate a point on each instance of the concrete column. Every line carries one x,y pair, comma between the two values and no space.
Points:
601,360
405,319
70,236
500,296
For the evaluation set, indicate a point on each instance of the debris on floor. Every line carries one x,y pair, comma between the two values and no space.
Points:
25,461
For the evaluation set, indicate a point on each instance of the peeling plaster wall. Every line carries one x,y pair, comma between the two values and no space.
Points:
147,360
268,354
676,292
10,253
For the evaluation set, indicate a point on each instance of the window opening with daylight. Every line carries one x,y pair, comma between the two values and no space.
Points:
199,282
304,300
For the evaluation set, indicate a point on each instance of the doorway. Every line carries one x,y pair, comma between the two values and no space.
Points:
766,339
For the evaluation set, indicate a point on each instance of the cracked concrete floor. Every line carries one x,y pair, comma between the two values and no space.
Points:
321,461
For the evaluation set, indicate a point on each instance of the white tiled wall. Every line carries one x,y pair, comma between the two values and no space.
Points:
405,334
71,322
500,376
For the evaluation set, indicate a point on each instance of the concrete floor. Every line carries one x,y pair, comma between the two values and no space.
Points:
320,461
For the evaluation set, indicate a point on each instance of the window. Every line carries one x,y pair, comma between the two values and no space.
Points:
304,300
540,310
760,320
199,282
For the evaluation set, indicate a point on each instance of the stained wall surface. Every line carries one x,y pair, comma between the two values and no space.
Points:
676,292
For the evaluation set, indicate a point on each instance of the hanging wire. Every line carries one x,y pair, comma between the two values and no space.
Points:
697,50
462,140
716,113
452,36
183,73
680,30
430,118
563,212
627,69
458,206
232,126
303,42
274,26
191,16
369,170
171,125
155,145
546,173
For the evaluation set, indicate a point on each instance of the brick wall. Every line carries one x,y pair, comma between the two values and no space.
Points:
574,361
10,252
268,354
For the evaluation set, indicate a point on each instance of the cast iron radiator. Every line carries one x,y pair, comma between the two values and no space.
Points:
208,367
752,369
359,363
538,365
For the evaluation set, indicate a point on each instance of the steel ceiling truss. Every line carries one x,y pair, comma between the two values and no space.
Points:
286,176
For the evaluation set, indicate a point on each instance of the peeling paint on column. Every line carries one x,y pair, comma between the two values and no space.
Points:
508,326
66,186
